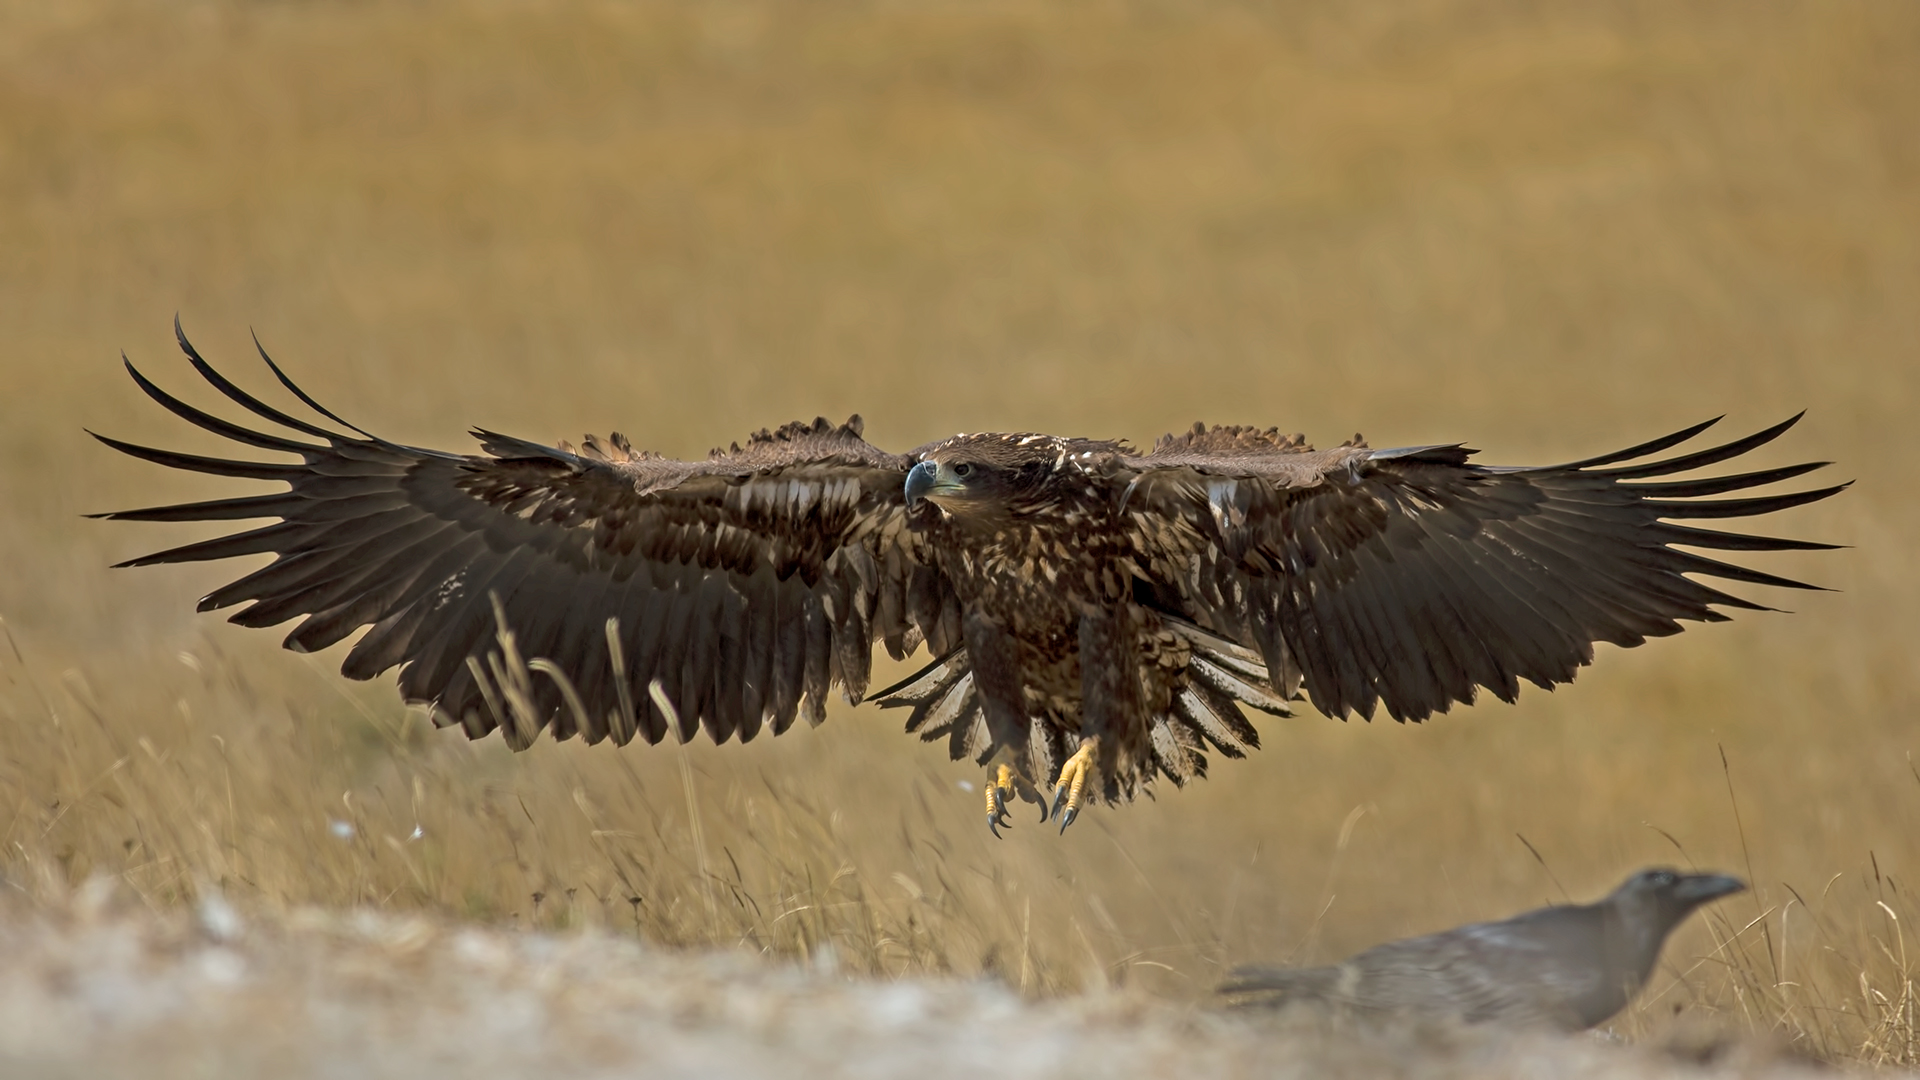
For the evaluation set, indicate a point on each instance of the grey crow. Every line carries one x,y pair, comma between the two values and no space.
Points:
1567,967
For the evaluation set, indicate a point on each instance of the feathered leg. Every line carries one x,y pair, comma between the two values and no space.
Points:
1109,706
996,677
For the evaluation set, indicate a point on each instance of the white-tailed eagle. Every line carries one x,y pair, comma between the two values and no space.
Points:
1096,617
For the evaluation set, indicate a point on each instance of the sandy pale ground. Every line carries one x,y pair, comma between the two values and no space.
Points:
102,987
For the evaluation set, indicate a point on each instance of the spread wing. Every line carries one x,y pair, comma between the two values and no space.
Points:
1409,578
598,591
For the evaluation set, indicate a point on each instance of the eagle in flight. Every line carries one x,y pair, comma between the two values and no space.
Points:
1096,617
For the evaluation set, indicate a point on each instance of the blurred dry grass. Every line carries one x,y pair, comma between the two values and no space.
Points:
1545,229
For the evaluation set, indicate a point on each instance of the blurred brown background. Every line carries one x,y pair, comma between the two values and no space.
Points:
1549,230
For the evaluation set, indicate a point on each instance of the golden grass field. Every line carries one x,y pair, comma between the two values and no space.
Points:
1549,230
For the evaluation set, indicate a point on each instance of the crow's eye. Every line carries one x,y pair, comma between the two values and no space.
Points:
963,470
1663,878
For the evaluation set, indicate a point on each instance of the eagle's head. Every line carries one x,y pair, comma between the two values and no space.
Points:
982,476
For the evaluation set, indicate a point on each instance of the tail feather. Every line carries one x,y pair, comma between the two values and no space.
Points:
945,706
1221,676
1237,671
1276,986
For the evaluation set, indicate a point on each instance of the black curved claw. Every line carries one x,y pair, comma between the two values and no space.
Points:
997,810
1059,800
1072,812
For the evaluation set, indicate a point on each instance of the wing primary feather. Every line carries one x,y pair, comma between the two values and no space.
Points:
213,423
241,397
258,541
279,505
1729,541
1730,508
303,396
249,470
1610,596
1720,485
1701,458
1653,446
1699,564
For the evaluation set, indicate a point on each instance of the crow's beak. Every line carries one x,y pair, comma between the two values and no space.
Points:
1700,888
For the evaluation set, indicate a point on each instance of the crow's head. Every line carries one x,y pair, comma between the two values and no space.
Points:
1660,898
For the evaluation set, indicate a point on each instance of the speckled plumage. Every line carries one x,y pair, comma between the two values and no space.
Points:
1066,588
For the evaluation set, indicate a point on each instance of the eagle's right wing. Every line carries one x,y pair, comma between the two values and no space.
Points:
639,592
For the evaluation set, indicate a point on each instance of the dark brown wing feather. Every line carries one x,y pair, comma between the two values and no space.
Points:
736,589
1410,578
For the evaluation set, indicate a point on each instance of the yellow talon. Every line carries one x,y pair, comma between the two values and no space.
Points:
999,789
1073,782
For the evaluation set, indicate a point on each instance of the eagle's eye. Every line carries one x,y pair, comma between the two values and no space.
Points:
963,470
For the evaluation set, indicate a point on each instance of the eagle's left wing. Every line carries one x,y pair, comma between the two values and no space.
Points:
1409,578
599,591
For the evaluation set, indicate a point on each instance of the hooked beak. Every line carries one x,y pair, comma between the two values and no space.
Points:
925,479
